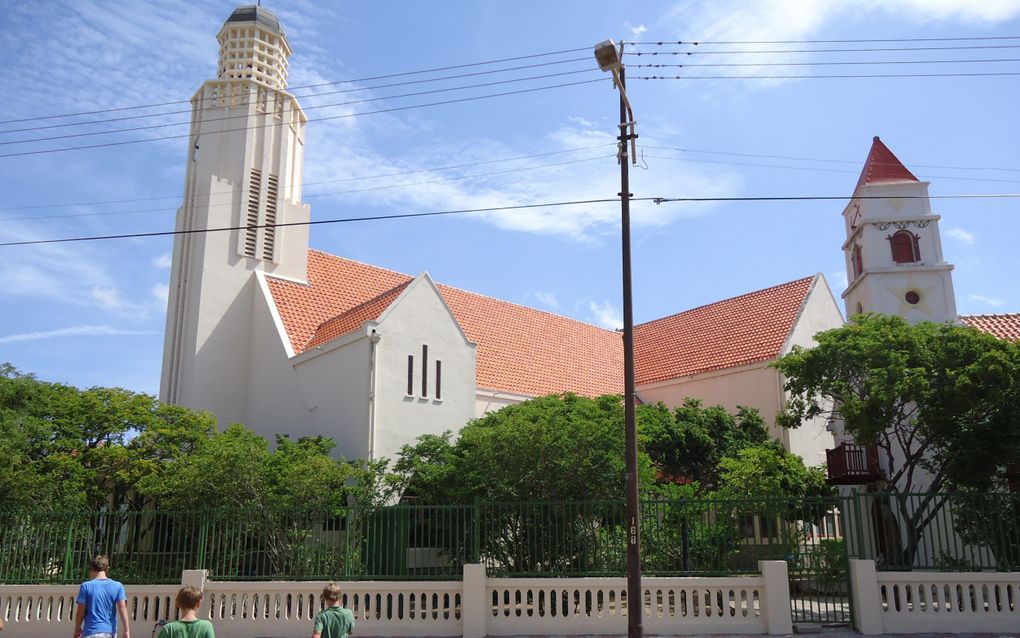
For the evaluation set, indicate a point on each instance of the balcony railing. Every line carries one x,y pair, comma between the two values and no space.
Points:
852,464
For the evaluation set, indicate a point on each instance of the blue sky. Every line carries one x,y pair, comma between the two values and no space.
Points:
93,313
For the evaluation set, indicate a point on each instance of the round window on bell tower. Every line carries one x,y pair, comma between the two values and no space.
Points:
912,297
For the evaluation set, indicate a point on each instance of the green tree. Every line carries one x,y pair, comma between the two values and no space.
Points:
941,402
687,444
558,447
768,471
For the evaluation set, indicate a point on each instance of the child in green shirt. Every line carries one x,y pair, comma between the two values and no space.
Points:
189,598
334,621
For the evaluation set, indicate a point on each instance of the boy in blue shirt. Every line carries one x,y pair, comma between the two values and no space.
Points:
100,600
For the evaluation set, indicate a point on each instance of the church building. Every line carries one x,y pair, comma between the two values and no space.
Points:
265,331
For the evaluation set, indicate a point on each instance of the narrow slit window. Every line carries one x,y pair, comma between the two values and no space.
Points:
252,220
439,379
424,370
410,374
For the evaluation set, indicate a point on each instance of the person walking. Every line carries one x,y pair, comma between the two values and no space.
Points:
335,621
100,601
189,599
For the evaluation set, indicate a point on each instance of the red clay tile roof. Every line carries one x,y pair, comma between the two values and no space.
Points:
520,349
355,317
882,166
725,334
531,352
1002,326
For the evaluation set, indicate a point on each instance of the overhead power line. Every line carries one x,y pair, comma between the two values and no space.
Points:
329,193
300,97
306,109
851,41
839,50
817,169
307,86
840,63
320,119
344,220
820,77
327,181
794,158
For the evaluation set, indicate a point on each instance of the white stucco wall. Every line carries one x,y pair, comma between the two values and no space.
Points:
275,403
881,287
420,317
334,383
819,312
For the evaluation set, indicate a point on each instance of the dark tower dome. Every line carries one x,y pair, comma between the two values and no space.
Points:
258,14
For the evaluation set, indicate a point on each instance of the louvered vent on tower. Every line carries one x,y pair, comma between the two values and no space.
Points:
254,194
269,238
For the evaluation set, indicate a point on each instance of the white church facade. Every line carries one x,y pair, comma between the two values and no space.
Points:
265,331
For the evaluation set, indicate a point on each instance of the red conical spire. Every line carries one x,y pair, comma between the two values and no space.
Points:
882,166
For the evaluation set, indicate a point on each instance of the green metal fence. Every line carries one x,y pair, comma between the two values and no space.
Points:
684,537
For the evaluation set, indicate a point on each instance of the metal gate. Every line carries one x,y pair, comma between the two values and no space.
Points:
819,566
807,533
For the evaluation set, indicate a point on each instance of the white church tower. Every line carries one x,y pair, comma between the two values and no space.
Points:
243,183
893,250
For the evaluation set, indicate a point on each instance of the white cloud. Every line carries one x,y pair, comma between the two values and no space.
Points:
961,234
110,299
636,31
162,261
988,301
839,278
161,292
74,331
547,299
606,315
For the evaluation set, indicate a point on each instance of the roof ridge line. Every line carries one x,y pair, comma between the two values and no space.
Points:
721,301
520,305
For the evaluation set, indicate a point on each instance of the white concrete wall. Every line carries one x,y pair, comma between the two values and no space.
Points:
334,384
275,403
420,317
933,602
820,312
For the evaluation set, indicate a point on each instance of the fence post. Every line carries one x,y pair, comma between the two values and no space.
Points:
473,601
196,577
69,552
776,575
864,593
203,537
476,541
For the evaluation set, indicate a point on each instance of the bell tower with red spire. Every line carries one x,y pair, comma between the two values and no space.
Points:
893,250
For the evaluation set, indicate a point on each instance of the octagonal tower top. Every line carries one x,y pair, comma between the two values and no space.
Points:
254,47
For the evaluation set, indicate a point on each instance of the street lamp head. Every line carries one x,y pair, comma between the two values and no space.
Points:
607,56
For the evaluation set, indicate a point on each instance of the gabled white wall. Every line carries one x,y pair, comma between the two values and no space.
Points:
419,317
819,312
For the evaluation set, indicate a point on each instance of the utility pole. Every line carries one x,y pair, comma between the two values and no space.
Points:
610,59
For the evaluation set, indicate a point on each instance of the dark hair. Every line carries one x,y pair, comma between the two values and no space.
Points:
100,563
188,597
